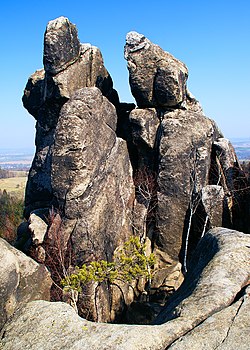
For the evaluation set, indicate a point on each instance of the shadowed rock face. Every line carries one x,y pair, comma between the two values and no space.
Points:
160,181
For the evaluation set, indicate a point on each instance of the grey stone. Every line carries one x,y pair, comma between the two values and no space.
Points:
22,280
38,228
226,329
213,199
238,335
234,182
72,68
211,283
83,169
61,45
92,181
34,92
185,151
157,79
226,153
211,286
144,124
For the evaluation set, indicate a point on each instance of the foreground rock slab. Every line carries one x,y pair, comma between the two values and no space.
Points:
212,285
225,330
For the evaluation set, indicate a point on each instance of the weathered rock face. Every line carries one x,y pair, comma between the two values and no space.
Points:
227,171
77,157
213,201
184,154
184,177
22,280
227,329
218,253
185,148
80,168
61,45
210,311
69,66
157,79
92,179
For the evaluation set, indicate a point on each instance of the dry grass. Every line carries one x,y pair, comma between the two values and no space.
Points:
14,185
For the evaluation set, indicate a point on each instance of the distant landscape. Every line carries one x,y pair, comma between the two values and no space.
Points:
16,164
16,159
19,161
242,148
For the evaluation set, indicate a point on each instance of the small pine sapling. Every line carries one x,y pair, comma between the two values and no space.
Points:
130,263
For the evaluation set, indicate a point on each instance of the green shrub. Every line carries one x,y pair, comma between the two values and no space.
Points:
130,263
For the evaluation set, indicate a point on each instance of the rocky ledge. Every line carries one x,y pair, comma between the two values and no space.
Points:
209,311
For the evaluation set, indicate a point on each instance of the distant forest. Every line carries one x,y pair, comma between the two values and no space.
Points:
5,174
11,215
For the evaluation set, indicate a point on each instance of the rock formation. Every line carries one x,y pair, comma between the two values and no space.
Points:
210,310
185,153
104,170
65,71
80,168
22,280
157,79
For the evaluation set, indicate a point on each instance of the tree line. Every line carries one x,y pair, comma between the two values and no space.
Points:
5,174
11,215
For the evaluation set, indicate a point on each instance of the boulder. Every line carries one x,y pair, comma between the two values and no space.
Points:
176,147
144,125
77,157
61,45
144,128
34,92
87,71
157,79
22,280
211,278
171,155
213,201
38,226
185,150
210,286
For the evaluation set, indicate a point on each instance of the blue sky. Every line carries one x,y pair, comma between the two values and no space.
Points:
211,37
